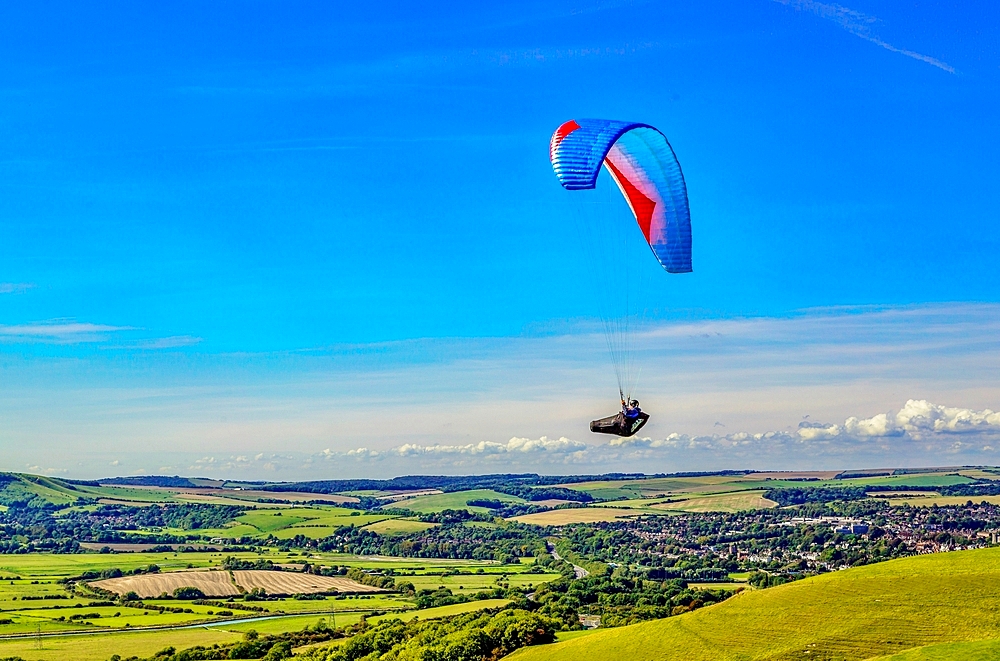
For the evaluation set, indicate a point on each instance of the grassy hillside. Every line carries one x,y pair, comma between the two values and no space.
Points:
978,650
872,611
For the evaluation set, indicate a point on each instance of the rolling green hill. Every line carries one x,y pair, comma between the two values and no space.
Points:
19,487
977,650
879,610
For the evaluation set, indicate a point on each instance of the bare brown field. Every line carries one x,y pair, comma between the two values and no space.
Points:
283,582
212,583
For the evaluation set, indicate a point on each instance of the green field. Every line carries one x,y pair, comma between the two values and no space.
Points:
866,612
453,501
724,502
393,527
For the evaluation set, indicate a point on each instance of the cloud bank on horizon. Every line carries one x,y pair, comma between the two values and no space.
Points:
823,389
920,434
920,431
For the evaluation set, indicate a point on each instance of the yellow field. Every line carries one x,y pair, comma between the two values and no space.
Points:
281,582
576,515
931,499
398,526
865,612
724,502
221,583
211,583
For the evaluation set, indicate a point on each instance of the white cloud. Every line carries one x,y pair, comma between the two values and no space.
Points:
15,287
59,331
561,445
172,342
860,25
515,446
47,471
932,429
359,453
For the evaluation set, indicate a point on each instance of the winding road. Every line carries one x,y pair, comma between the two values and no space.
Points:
580,571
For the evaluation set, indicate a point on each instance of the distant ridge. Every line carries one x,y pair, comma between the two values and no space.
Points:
149,481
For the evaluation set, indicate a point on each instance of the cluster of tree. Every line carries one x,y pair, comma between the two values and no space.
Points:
252,646
979,488
145,481
113,572
536,493
450,516
445,597
186,516
621,597
504,542
374,580
231,562
505,509
482,636
27,527
802,495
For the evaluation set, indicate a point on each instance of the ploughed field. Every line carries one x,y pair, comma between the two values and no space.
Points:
222,583
277,582
941,603
212,583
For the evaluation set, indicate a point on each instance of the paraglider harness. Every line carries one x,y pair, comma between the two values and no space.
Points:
626,423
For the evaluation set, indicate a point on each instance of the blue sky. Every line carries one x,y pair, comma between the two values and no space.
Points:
232,230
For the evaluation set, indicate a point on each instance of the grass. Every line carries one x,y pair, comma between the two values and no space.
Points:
718,586
294,622
444,611
579,515
563,636
453,501
393,527
727,502
100,647
284,522
470,583
979,650
929,499
871,611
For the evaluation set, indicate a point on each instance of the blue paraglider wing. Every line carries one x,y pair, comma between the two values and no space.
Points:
642,163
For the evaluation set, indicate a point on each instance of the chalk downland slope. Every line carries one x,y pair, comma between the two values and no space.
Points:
861,613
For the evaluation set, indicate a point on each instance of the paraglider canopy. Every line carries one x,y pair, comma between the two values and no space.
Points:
644,166
641,162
